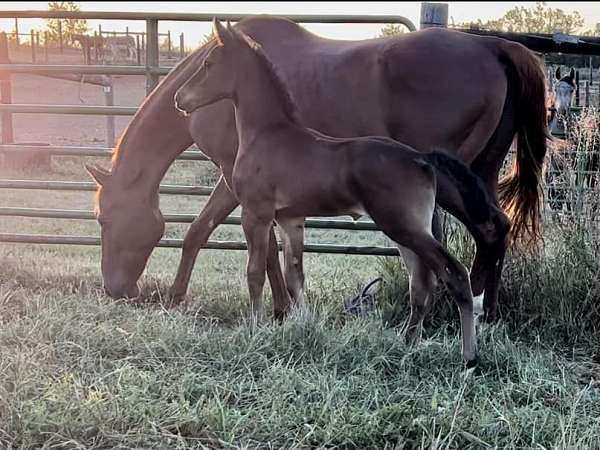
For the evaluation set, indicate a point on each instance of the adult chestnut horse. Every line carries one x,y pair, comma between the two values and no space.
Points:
432,88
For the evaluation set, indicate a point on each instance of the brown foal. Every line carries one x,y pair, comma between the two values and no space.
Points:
285,172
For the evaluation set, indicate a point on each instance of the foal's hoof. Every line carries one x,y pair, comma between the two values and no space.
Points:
471,363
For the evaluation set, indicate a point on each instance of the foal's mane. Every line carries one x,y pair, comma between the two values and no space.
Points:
176,72
287,101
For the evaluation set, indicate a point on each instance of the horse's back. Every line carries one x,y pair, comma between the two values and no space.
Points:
425,88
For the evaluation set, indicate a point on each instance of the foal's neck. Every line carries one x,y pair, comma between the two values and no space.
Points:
260,103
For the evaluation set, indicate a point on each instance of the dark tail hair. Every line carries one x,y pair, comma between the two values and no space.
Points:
520,191
476,199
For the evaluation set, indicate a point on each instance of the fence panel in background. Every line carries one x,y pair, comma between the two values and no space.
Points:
148,41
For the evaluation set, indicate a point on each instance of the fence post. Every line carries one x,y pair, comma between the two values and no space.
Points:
577,90
46,38
138,50
587,93
32,34
109,100
152,55
434,15
181,47
17,32
169,55
99,29
60,37
5,93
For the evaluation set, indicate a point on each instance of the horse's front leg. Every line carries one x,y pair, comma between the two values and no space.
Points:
256,229
219,205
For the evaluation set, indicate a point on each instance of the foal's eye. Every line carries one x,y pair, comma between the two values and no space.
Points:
207,64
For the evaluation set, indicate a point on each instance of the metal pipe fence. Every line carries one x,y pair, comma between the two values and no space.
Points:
152,71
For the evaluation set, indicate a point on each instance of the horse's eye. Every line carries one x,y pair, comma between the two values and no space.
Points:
207,64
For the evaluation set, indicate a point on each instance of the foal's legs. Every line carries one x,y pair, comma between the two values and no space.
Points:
422,283
219,205
256,230
399,221
292,233
451,272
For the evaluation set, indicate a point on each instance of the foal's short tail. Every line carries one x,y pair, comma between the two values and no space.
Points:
475,197
520,191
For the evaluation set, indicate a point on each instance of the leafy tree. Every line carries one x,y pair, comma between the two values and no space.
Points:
537,19
594,32
69,27
392,29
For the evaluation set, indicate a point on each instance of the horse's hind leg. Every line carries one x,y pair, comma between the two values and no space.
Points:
281,298
456,279
422,283
292,233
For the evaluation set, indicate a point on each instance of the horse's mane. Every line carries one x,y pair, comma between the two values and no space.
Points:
287,101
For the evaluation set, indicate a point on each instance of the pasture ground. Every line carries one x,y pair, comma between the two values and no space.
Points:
78,370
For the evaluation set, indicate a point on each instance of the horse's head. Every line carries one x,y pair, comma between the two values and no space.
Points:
217,76
131,224
564,89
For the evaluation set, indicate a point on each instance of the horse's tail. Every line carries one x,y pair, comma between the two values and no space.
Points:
474,195
520,191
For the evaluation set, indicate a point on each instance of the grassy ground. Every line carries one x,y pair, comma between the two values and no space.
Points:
78,370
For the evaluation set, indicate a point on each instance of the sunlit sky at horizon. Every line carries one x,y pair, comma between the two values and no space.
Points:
194,32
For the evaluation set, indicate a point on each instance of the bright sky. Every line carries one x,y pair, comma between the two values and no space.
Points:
458,11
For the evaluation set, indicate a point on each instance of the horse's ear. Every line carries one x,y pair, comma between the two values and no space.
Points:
99,175
221,33
572,74
557,73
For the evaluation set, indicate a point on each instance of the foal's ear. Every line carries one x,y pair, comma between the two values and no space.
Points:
221,33
572,74
557,73
99,175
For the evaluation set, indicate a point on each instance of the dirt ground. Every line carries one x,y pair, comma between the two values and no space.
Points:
69,129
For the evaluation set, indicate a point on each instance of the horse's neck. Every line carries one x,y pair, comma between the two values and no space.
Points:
258,104
155,136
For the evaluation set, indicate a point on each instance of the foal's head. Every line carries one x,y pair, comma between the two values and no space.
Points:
218,75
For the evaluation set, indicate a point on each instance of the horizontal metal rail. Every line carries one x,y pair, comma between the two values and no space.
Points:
88,186
212,245
189,155
203,17
325,224
24,108
37,108
83,69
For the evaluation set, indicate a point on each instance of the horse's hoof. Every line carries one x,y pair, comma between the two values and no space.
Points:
174,300
471,363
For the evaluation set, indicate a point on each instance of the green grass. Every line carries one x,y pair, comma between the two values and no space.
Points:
79,371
